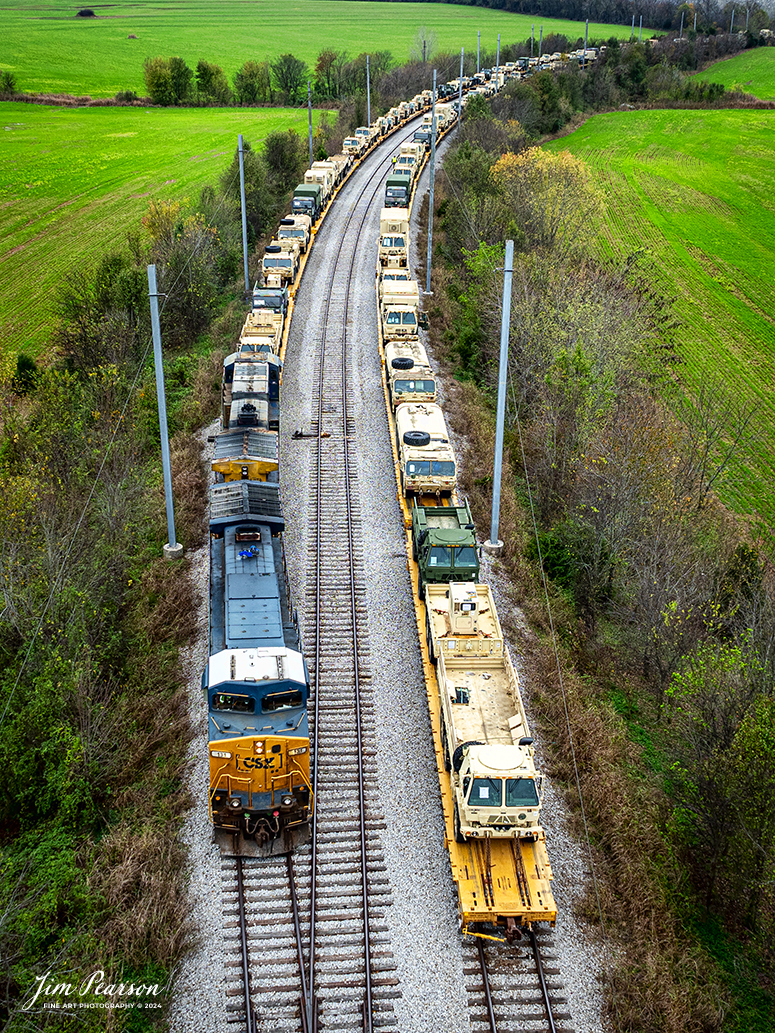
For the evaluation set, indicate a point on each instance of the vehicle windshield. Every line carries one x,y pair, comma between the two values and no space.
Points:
418,469
427,387
394,242
486,792
277,263
408,319
465,556
443,470
440,556
393,319
521,792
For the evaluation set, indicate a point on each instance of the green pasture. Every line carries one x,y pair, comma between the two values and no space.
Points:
690,193
73,181
50,50
753,72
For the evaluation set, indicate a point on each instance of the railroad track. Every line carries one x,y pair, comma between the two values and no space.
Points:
516,986
315,953
308,943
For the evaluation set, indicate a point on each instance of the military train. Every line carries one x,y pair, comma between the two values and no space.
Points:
256,680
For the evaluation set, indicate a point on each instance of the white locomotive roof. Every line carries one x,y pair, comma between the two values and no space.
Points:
256,665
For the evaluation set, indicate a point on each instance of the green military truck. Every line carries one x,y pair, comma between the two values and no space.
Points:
444,545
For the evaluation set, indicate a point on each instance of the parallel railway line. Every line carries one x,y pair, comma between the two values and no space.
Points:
311,946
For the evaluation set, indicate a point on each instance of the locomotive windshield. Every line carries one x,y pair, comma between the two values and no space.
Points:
521,792
237,704
281,701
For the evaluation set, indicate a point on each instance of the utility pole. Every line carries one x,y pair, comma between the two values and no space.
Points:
640,28
732,21
460,92
498,63
368,93
430,198
540,44
632,30
309,112
586,37
695,21
681,32
478,41
495,546
532,37
173,550
244,218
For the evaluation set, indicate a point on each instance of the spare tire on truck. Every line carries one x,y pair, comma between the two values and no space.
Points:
417,438
402,362
457,756
273,249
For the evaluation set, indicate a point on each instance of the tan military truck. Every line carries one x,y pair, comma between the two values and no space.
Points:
298,227
394,237
426,458
400,309
277,266
488,748
409,374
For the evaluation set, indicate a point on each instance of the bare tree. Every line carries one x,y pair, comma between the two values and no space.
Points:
424,45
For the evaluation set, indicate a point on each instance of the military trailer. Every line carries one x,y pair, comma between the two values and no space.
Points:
261,332
397,192
325,177
426,457
444,545
308,200
298,227
488,749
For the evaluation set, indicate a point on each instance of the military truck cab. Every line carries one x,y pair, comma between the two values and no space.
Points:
444,548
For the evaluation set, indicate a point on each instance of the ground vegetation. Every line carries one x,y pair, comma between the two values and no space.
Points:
663,606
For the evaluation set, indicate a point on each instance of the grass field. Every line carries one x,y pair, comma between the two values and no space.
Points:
50,50
753,71
691,193
73,181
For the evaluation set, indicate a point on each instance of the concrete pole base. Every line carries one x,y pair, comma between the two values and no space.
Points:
173,552
493,548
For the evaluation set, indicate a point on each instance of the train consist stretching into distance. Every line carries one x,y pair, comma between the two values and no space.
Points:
256,680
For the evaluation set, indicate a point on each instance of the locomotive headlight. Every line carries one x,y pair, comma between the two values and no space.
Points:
299,749
220,753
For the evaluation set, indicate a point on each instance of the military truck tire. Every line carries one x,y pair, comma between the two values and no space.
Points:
420,585
417,438
402,362
457,756
459,838
429,637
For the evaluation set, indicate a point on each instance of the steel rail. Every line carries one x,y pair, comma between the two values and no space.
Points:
542,981
249,1017
486,985
299,942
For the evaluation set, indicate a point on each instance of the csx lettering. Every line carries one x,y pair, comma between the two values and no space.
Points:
255,763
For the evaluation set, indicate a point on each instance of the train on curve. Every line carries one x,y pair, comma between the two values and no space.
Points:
256,681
